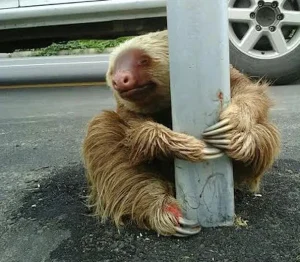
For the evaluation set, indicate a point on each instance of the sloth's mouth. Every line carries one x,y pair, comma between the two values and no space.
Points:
138,92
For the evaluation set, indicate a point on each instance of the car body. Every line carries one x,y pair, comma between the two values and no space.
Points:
264,35
34,23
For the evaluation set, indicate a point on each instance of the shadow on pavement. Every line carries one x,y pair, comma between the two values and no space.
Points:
272,234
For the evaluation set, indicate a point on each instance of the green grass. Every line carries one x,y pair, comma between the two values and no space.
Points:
98,45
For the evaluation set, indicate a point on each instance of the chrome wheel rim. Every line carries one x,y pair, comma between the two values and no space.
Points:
264,29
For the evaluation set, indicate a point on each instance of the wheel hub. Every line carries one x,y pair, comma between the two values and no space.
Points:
265,29
266,16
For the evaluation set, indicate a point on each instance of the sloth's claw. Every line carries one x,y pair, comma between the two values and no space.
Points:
218,141
208,157
218,131
211,151
184,227
219,128
223,136
188,222
217,125
225,147
188,231
189,228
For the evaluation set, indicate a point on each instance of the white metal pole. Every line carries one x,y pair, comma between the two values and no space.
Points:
200,87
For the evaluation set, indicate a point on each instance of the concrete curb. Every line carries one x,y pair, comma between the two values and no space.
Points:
53,70
90,51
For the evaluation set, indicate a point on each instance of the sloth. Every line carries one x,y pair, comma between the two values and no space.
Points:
129,152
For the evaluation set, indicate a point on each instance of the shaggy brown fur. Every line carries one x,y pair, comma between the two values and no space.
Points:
255,141
129,153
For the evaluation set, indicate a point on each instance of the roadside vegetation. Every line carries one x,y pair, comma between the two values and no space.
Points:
75,47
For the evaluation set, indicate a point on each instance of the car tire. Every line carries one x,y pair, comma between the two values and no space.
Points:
280,71
256,31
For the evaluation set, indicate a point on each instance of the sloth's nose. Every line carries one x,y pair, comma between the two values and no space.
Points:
124,81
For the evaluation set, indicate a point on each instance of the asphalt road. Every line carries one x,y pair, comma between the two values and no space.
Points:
43,216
